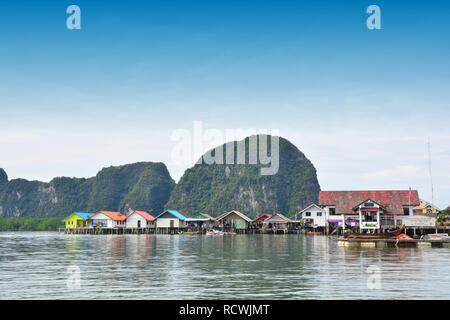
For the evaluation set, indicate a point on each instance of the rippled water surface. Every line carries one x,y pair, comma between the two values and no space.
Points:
34,265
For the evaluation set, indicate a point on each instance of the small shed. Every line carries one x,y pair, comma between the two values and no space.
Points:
259,221
278,219
234,219
201,221
277,222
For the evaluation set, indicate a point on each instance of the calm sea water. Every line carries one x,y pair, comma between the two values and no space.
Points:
34,265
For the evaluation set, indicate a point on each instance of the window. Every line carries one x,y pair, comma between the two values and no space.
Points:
406,211
332,211
307,214
368,216
368,204
319,214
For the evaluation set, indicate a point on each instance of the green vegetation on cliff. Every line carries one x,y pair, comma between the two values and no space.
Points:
217,188
143,186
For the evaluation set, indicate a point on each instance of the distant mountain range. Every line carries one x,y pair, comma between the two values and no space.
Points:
144,185
212,189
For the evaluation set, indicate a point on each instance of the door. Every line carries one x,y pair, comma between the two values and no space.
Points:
139,223
172,223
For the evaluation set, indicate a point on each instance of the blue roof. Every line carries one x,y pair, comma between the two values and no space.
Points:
174,213
82,215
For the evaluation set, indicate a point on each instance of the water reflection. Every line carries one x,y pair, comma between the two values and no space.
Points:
34,266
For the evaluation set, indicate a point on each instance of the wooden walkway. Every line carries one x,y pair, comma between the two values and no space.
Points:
98,230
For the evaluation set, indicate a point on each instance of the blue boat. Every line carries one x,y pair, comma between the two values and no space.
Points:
436,236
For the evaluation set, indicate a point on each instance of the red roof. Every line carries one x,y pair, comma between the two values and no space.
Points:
147,216
116,216
392,200
263,217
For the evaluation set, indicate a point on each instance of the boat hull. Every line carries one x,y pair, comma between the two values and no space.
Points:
437,236
377,235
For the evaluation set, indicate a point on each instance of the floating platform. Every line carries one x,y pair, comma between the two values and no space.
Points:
392,242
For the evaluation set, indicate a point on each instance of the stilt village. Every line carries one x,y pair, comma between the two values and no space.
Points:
364,218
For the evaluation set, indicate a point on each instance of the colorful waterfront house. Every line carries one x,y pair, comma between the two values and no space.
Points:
201,221
170,219
312,215
258,222
371,209
426,208
78,220
233,220
140,219
278,222
107,219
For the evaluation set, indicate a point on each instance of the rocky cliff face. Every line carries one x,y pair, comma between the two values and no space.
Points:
144,186
3,177
217,188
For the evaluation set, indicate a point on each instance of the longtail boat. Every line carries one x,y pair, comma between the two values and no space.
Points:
390,234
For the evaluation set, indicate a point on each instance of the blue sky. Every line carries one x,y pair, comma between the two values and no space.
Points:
359,103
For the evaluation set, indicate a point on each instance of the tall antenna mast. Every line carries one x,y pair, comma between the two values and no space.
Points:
429,168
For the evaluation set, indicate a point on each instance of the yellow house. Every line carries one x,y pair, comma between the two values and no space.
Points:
77,220
425,208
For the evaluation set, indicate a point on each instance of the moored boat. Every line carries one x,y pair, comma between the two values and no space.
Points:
214,233
383,235
436,236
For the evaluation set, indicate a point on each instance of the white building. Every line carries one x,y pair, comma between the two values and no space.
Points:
170,219
140,219
371,209
313,214
107,219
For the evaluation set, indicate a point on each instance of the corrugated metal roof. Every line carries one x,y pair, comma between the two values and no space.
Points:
278,218
263,217
82,215
243,216
201,217
116,216
175,213
147,216
392,200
